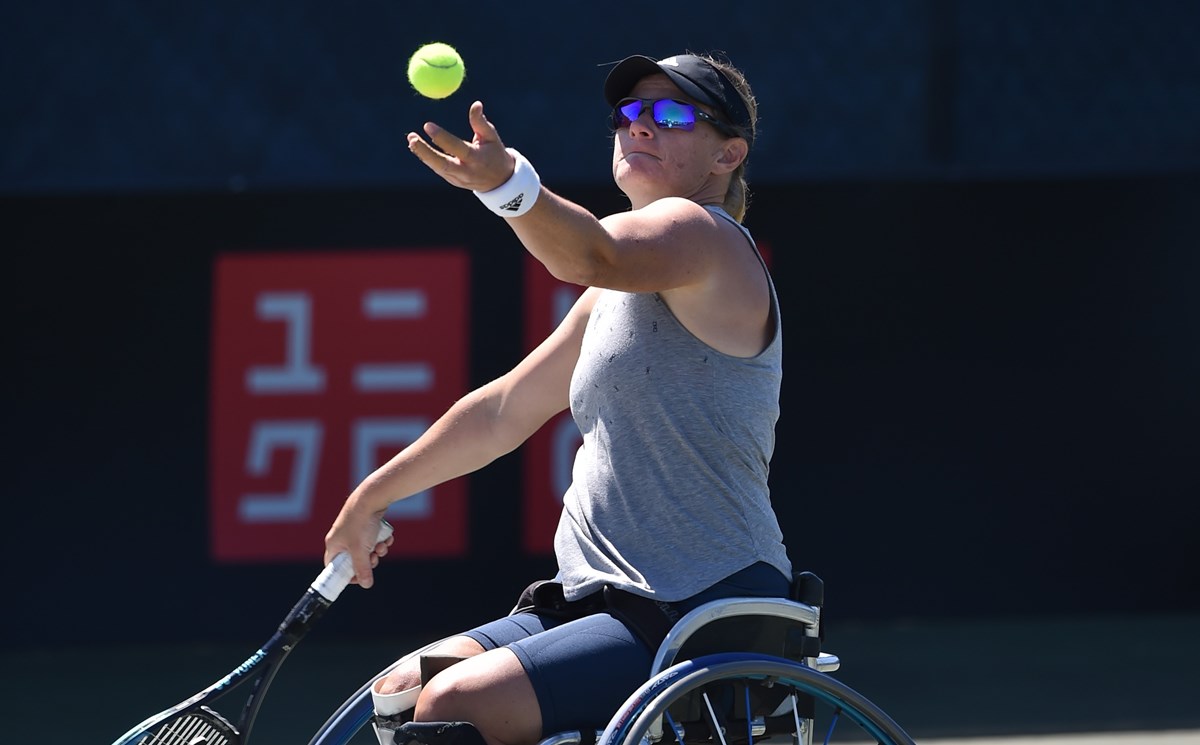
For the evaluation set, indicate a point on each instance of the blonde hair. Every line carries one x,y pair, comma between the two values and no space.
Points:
737,198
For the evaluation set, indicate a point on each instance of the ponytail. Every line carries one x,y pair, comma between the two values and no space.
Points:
737,199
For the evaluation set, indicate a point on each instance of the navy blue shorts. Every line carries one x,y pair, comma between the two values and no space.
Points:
583,670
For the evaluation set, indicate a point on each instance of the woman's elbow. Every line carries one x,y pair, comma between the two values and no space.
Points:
582,271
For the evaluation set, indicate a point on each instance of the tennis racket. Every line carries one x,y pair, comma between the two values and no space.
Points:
192,722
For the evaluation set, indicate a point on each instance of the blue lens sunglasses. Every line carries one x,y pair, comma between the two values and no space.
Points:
667,113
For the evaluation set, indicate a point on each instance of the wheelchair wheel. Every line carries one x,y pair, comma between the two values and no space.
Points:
723,699
348,725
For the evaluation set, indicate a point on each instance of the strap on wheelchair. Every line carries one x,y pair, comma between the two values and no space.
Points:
649,619
432,733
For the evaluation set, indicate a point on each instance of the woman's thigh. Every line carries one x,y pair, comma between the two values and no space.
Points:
580,671
489,690
538,676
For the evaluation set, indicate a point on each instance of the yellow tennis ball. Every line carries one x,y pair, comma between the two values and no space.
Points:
436,70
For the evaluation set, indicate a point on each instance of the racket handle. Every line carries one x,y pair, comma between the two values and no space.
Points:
338,573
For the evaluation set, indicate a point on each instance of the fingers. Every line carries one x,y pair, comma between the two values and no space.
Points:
485,131
481,164
449,167
365,575
426,154
347,535
363,564
334,545
448,143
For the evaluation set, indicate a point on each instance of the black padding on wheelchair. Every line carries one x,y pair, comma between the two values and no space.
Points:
780,637
808,588
438,733
771,635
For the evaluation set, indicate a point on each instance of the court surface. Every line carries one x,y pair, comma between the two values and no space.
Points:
1177,737
1012,682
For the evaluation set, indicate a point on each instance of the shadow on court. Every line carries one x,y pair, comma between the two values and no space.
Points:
939,680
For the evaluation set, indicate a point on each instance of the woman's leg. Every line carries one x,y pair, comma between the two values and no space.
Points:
408,675
565,677
537,678
491,691
468,690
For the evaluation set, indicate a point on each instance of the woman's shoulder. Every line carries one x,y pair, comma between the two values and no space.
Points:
678,205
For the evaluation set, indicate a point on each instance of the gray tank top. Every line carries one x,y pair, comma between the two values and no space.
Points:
669,491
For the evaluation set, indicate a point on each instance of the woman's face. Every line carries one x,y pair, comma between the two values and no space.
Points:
651,163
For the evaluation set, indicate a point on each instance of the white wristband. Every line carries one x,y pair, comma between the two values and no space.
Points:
516,196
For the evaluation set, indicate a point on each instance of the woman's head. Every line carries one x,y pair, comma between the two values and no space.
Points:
723,112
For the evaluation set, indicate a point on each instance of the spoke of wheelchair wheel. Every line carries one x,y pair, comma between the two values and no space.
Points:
796,716
749,719
837,713
715,724
675,728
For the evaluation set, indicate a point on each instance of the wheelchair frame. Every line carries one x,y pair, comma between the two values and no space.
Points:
642,718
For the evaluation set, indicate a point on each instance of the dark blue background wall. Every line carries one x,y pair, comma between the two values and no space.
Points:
985,219
223,94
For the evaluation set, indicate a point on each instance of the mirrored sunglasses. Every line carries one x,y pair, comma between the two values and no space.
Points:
667,113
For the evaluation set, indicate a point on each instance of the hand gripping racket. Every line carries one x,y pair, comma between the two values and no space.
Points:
192,722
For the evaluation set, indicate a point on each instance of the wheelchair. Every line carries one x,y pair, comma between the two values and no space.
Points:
735,671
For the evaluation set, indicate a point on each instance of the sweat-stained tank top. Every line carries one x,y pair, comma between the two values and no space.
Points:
669,491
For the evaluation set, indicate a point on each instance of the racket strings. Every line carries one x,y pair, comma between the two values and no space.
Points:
199,728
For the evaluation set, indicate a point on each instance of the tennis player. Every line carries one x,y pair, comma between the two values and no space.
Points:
670,362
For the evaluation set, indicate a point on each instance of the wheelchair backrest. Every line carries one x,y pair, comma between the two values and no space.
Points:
777,626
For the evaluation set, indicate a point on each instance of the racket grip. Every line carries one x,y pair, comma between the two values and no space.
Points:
338,573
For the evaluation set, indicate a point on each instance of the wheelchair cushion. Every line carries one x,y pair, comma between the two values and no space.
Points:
781,637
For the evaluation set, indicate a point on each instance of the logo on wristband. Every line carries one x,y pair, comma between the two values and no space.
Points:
508,199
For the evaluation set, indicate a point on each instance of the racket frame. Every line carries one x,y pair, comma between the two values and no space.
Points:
263,665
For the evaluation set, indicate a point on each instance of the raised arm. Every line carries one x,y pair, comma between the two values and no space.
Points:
669,243
483,425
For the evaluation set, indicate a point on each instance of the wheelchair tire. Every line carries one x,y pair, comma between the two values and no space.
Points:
354,713
634,719
350,717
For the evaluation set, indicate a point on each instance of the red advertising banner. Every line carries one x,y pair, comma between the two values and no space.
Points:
324,365
550,452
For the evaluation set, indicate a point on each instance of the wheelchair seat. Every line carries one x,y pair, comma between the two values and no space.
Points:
734,671
789,628
783,628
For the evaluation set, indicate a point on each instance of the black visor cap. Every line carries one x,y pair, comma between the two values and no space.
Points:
693,75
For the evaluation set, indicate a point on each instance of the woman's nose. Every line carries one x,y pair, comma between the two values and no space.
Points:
642,126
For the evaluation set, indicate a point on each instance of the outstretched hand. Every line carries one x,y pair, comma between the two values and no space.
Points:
480,165
355,532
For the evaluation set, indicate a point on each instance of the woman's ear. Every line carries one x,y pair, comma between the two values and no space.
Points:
733,151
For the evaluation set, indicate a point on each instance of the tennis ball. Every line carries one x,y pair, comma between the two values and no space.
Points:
436,70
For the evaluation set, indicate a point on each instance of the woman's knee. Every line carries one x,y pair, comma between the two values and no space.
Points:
491,691
409,674
451,695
